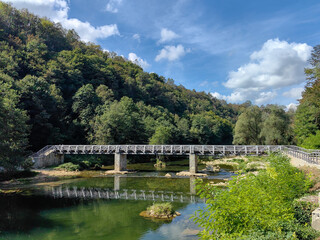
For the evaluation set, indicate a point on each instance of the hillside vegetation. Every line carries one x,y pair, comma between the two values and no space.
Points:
60,90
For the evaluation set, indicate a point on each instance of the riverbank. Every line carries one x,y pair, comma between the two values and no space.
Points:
41,176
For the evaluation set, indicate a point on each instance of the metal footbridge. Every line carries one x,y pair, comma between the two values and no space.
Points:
54,154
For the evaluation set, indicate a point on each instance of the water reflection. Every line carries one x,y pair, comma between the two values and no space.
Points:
145,194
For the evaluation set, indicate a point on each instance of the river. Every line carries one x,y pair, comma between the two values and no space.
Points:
104,207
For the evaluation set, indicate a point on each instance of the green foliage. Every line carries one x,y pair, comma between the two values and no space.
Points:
307,118
275,126
159,209
119,123
162,135
13,127
248,127
68,167
266,125
208,128
75,92
312,141
262,203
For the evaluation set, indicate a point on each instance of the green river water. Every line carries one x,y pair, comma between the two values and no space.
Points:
36,216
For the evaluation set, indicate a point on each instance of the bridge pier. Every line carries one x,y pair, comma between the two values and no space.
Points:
120,162
193,163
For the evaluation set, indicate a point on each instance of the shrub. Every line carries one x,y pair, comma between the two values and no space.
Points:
253,203
159,209
303,211
68,167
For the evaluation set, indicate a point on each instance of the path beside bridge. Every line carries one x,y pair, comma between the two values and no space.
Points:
302,163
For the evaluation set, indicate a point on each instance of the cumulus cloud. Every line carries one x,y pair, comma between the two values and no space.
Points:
294,93
137,60
172,53
112,6
247,94
167,35
292,107
57,11
276,65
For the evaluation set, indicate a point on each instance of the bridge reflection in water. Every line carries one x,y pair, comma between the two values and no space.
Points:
125,194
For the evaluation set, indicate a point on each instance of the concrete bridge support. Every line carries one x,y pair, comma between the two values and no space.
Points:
47,160
193,163
120,162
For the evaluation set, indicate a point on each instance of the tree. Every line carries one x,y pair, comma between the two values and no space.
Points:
41,107
120,123
275,126
164,134
13,127
208,128
248,127
307,119
84,104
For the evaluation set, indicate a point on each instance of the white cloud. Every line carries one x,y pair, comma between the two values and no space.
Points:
265,97
137,60
172,53
243,95
112,6
167,35
294,93
57,11
136,37
278,64
292,106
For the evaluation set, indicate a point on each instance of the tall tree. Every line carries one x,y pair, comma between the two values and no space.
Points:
248,127
120,123
307,119
275,126
13,127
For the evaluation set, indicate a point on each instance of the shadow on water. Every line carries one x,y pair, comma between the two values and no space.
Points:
22,213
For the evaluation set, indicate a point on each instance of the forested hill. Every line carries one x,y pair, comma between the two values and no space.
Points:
59,89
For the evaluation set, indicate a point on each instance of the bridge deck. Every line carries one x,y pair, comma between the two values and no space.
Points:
166,149
311,156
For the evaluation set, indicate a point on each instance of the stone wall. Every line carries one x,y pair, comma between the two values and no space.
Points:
47,160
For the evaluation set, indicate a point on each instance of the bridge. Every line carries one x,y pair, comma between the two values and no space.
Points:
54,154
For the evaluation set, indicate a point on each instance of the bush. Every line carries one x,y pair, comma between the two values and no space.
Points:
160,209
303,211
261,203
312,141
68,167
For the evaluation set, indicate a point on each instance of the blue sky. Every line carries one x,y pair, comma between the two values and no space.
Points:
236,50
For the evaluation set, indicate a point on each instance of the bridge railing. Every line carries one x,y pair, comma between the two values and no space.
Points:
167,149
42,151
310,156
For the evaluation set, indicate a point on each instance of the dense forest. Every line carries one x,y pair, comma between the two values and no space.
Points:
56,89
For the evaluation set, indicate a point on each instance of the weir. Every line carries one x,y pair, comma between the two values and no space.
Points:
54,154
